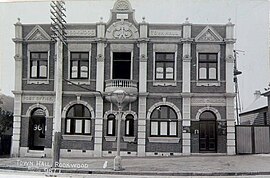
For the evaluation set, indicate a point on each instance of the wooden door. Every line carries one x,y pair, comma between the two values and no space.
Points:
208,141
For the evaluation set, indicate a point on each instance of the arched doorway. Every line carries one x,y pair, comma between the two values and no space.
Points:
36,138
208,138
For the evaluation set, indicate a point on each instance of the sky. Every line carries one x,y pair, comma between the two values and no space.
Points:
251,19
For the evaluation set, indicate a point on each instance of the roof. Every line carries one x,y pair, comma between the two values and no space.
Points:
259,103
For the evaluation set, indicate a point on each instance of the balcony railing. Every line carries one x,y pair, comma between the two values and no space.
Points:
130,86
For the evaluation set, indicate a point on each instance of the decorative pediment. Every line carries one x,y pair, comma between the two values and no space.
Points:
122,30
122,5
37,34
208,34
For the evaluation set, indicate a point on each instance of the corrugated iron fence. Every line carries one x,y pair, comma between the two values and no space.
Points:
252,139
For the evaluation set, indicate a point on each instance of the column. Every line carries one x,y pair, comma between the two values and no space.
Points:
142,90
230,115
186,140
15,147
99,87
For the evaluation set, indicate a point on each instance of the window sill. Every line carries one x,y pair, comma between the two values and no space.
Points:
79,81
38,81
163,139
164,83
128,139
208,83
110,138
78,137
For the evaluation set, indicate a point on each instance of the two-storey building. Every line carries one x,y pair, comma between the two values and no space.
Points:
178,77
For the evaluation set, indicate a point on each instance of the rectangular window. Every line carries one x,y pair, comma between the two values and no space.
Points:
154,128
208,65
38,65
87,126
79,65
78,126
121,65
164,66
110,127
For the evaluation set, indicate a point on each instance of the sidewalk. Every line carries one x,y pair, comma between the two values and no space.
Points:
169,166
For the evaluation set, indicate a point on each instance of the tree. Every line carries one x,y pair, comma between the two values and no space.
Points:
6,121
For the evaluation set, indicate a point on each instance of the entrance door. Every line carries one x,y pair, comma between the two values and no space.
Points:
207,136
37,130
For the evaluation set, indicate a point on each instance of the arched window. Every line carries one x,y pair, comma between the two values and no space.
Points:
78,120
163,122
129,125
111,125
207,115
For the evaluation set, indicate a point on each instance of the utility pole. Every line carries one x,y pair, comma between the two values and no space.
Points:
236,72
59,37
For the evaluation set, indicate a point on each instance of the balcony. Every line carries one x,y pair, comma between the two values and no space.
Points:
129,86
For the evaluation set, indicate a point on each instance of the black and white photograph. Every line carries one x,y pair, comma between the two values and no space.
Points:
134,88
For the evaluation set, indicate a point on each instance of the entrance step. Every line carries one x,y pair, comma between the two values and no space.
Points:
35,154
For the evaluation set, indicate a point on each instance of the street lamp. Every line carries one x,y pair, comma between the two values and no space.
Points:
118,97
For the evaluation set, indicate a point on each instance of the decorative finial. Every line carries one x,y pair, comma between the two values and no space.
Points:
187,20
229,21
19,20
101,19
143,18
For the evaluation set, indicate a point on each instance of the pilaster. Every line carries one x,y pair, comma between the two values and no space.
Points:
230,126
15,147
230,115
186,136
229,57
142,89
99,87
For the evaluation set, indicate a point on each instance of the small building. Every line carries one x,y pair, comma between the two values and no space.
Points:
178,79
257,112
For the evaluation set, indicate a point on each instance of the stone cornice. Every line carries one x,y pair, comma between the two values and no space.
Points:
38,92
143,40
229,41
187,40
17,40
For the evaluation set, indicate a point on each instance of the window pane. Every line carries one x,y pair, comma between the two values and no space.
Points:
127,127
163,128
172,114
164,112
34,69
84,55
155,113
75,55
43,69
159,73
173,126
154,128
170,57
202,57
87,126
202,73
84,69
43,55
74,69
34,56
169,71
159,57
68,126
212,57
110,127
78,126
212,71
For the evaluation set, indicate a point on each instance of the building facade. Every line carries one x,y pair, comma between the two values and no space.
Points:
178,77
257,112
